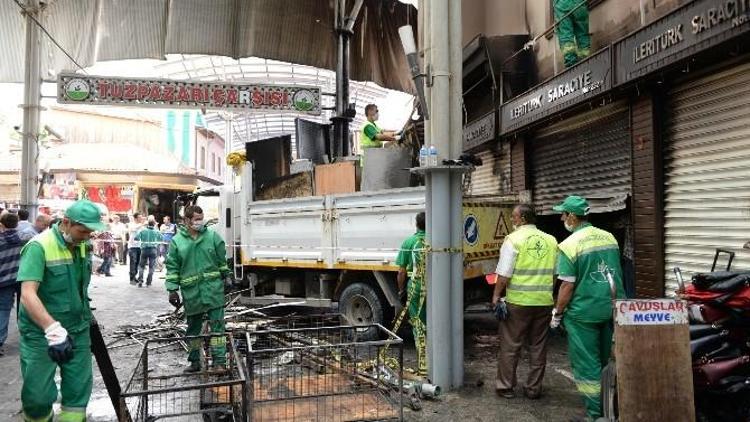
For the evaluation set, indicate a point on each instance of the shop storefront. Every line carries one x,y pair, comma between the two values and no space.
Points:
492,178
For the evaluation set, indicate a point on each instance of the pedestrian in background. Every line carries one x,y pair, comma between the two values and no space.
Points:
168,230
54,317
197,267
104,246
42,222
526,273
585,298
134,246
10,256
119,232
25,229
149,239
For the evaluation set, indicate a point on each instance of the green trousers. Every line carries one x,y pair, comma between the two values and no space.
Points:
415,299
218,344
572,30
589,348
39,391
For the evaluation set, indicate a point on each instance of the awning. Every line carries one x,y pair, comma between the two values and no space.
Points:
295,31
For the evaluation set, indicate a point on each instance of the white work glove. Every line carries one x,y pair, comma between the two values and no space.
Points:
554,323
56,334
397,138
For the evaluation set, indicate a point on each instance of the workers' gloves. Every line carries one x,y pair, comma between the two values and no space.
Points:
501,310
228,282
556,319
60,344
174,299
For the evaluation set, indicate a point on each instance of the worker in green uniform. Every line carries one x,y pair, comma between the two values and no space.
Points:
197,267
585,298
54,317
572,27
371,135
411,262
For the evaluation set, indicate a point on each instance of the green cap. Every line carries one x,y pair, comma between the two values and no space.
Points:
573,204
87,213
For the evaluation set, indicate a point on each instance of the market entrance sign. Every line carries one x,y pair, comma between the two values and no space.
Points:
577,84
162,93
697,26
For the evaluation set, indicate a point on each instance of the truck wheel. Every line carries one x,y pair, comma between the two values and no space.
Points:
609,392
361,304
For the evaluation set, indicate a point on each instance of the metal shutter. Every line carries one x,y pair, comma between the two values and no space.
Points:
493,176
707,172
587,155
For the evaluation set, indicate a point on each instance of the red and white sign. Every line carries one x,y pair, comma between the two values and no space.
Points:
651,312
163,93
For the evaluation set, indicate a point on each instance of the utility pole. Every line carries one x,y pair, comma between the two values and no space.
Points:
31,110
441,33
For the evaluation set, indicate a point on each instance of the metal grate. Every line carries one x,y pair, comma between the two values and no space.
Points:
159,390
324,374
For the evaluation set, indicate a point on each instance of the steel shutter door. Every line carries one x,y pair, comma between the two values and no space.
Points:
587,155
707,172
493,176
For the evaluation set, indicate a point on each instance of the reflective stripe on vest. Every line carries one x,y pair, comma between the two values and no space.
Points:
596,240
197,278
532,280
365,141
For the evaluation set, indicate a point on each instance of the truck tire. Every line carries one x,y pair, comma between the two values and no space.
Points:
609,392
361,304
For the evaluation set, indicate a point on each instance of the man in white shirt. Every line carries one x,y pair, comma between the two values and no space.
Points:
134,246
525,272
119,231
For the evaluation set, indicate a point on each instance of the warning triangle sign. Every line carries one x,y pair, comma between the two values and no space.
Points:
501,230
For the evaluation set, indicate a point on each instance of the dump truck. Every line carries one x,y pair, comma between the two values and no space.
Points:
341,248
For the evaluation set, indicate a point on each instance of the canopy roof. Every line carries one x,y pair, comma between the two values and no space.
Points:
294,31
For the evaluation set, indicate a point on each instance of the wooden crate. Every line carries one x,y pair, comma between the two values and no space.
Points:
336,178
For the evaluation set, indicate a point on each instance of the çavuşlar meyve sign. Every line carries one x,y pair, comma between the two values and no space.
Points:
162,93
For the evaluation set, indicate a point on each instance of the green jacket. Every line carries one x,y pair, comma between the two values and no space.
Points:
63,276
197,267
149,238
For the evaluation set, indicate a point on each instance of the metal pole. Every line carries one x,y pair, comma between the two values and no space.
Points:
341,121
456,195
31,111
438,183
228,173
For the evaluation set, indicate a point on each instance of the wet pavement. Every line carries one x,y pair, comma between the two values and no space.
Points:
118,303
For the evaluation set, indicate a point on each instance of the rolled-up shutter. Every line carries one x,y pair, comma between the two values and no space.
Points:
587,155
707,172
493,176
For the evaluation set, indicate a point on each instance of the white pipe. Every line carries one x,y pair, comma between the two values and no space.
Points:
31,109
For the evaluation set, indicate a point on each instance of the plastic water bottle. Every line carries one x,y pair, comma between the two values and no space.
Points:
423,156
433,156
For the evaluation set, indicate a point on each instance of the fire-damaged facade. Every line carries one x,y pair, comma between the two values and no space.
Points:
653,127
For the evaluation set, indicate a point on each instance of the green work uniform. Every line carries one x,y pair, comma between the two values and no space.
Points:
368,136
149,238
573,30
586,256
411,256
63,276
197,267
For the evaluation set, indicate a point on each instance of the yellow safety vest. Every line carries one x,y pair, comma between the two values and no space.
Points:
367,142
532,280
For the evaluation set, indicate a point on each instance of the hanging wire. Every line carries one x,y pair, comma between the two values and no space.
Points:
54,41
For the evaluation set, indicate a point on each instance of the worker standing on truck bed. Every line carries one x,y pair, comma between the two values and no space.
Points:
54,318
371,135
197,266
411,261
585,298
526,271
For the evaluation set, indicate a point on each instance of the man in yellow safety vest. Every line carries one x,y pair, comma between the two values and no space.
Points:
526,273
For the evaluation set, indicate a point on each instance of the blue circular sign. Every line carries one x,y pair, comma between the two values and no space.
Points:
471,230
